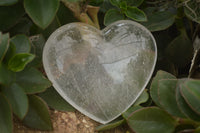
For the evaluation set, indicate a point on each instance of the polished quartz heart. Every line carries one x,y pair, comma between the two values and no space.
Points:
100,73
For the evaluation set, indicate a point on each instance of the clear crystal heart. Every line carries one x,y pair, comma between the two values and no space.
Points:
100,72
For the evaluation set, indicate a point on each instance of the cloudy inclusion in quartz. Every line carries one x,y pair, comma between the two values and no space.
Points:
101,73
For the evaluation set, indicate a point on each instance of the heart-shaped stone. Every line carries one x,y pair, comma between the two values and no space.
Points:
100,73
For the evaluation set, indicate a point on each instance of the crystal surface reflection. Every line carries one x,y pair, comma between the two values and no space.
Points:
100,73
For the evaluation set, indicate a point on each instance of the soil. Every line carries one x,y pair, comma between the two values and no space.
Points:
69,122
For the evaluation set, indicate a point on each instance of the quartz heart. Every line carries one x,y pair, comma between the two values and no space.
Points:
100,73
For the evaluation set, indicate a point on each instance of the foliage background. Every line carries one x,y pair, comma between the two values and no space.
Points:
171,102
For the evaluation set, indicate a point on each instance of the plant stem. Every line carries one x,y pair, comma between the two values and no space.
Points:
195,32
86,19
89,16
93,12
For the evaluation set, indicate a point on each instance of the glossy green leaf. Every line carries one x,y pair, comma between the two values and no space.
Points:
142,98
5,116
110,125
18,99
32,81
4,45
191,93
38,115
42,12
135,14
6,76
111,16
22,43
167,96
184,107
154,85
19,61
180,50
192,10
55,101
7,2
132,109
151,120
10,15
159,20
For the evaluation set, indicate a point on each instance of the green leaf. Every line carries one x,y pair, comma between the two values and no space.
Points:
165,64
105,6
197,130
10,53
123,6
65,15
5,115
18,99
4,44
192,10
6,76
96,3
22,43
38,42
21,27
55,24
32,81
154,85
135,14
135,3
42,12
72,0
38,115
110,125
132,109
10,15
167,96
159,20
19,61
55,101
184,107
7,2
142,98
191,93
151,120
115,2
180,50
111,16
